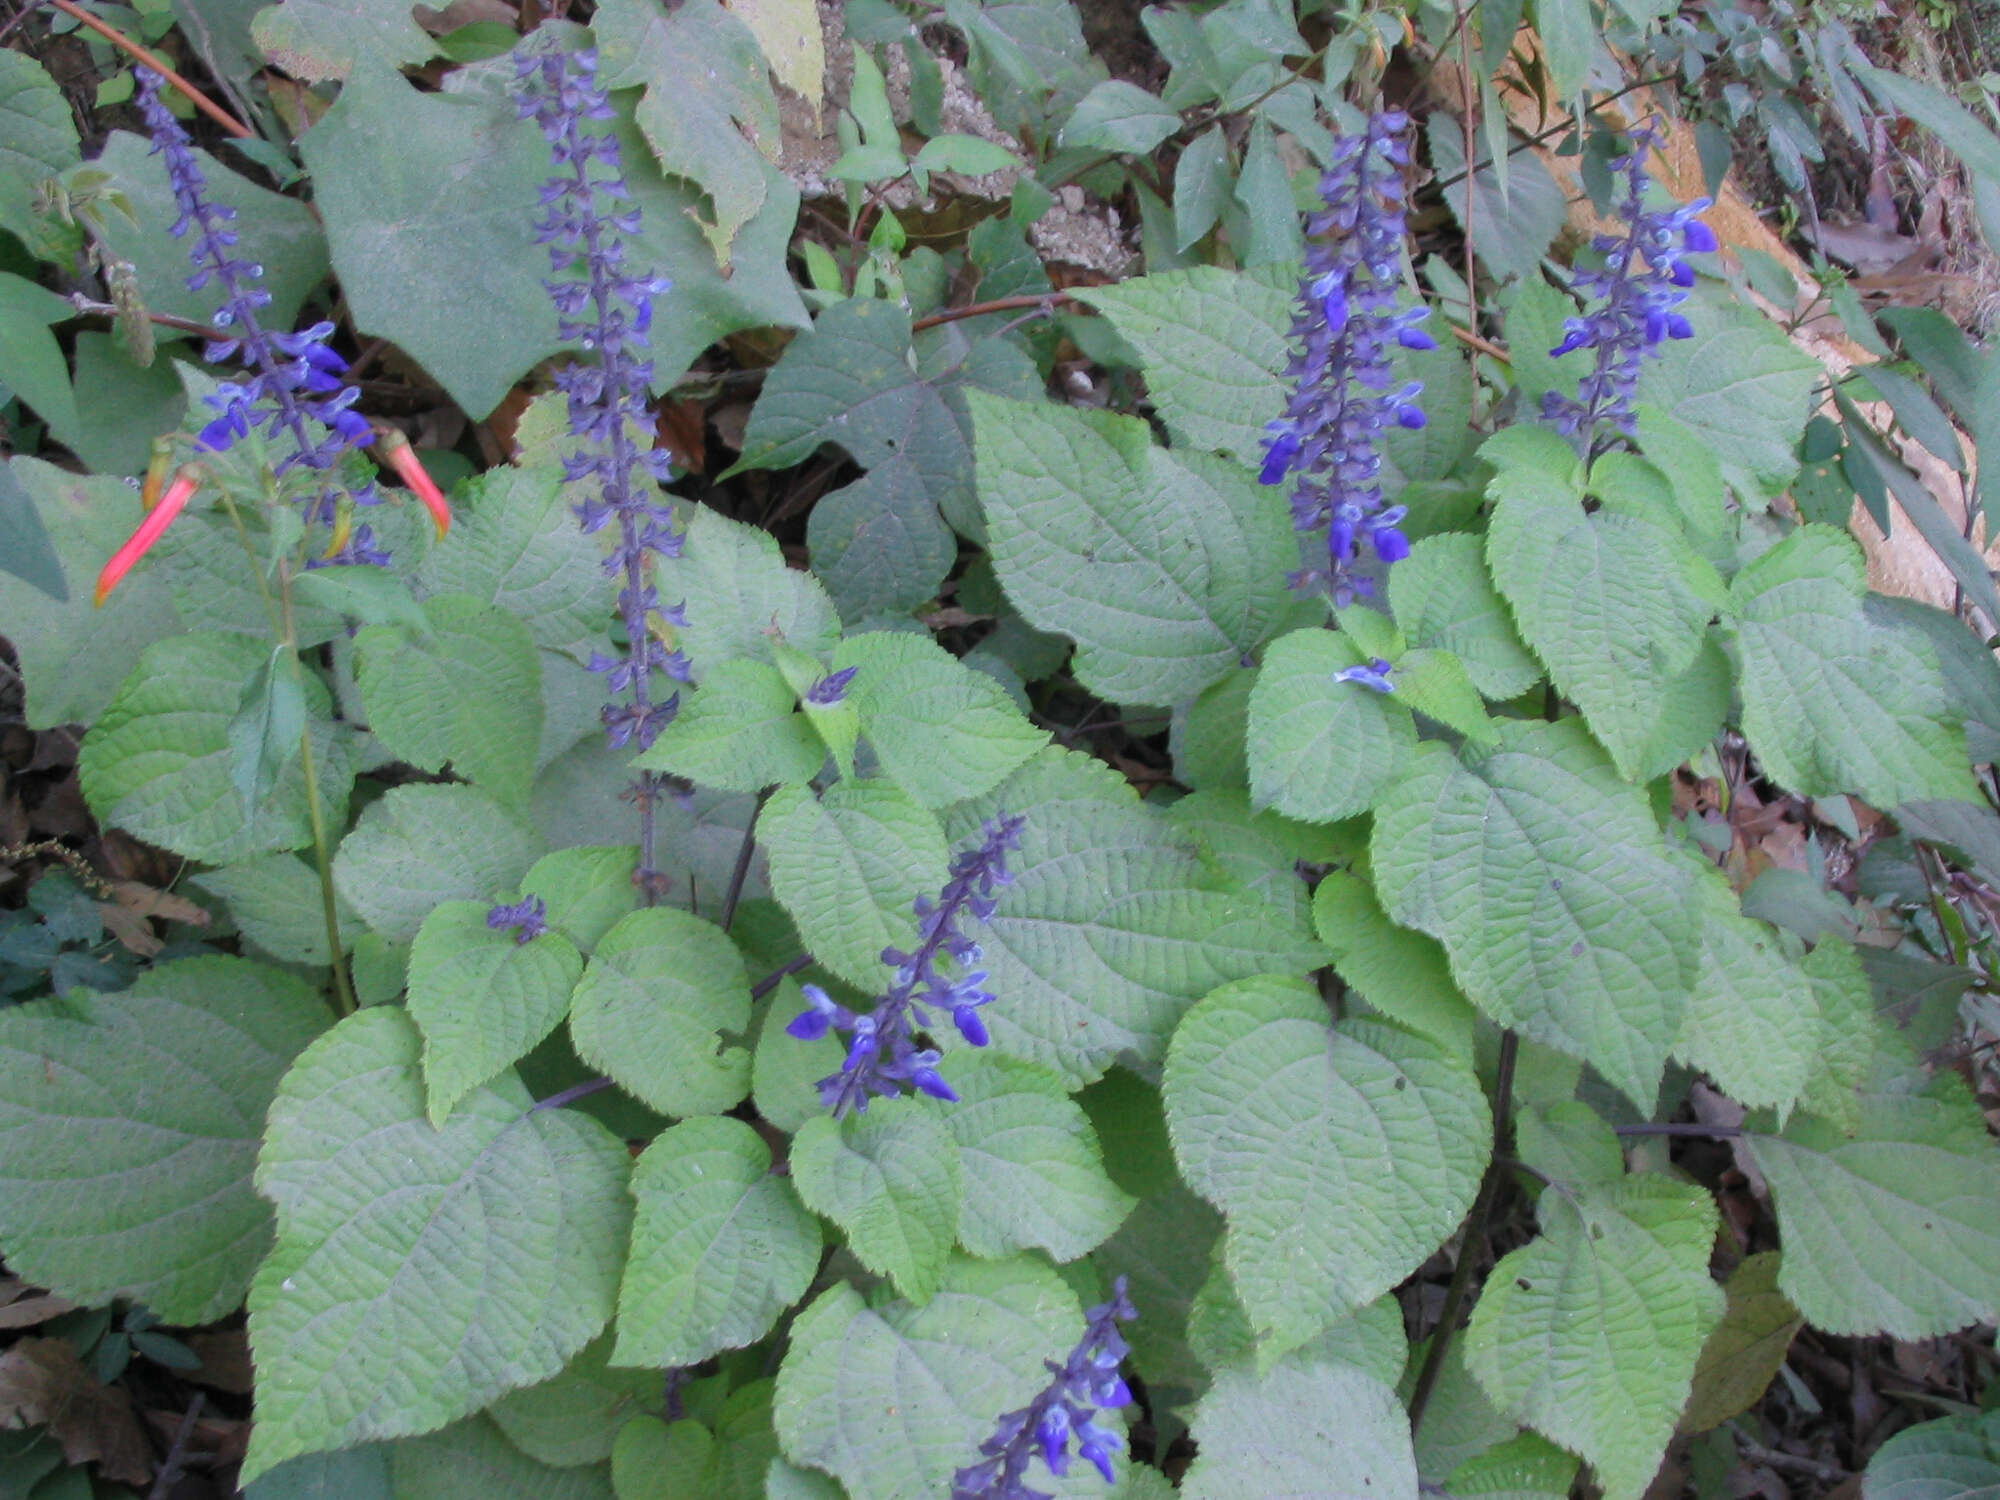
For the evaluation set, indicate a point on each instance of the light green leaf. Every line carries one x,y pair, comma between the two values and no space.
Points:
129,1125
1164,568
1033,1171
1832,704
321,39
1308,1427
740,731
158,763
474,1461
1260,851
1752,1022
587,889
847,864
1436,685
420,1273
1590,1333
1118,116
1847,1033
786,1070
1341,1156
274,900
1527,1467
1203,180
940,729
469,692
740,596
890,1178
1548,882
575,1418
656,1007
483,998
1894,1228
720,1247
1322,750
37,139
1954,1458
1213,342
1403,974
422,845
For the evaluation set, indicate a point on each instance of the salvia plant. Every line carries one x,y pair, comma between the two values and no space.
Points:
921,884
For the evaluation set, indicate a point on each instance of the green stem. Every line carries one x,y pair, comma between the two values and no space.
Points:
344,1003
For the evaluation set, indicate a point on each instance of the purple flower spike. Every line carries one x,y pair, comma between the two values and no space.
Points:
1345,327
527,919
1084,1386
884,1055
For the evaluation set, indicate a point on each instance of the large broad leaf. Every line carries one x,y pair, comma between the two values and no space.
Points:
1322,749
1753,1021
574,1419
158,763
741,731
1590,1333
879,544
720,1247
483,998
1510,219
1894,1227
891,1179
420,1273
1547,881
1113,926
1164,568
656,1009
129,1125
1308,1427
740,596
423,845
847,866
474,1461
1403,974
277,904
893,1400
37,139
1955,1458
1341,1156
941,730
321,39
1832,703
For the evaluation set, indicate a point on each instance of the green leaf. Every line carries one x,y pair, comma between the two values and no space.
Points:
468,692
575,1418
1741,387
1033,1173
847,864
892,1400
1745,1352
321,39
741,597
474,1461
1260,851
274,900
1403,974
1514,219
1954,1458
1832,704
1894,1227
37,139
662,993
719,94
420,846
1547,881
1615,605
1847,1041
159,763
31,362
1342,1156
1308,1427
1527,1467
891,1179
350,1474
1213,342
941,730
270,721
720,1247
1971,676
878,544
1590,1333
25,549
372,596
483,998
1443,598
1164,568
1569,33
515,544
587,889
1113,926
398,1299
129,1125
741,731
1322,750
971,155
1271,233
1752,1021
1952,122
1118,116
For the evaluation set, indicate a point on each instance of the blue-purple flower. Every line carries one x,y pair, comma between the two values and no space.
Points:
1344,392
527,918
831,690
1373,674
885,1052
1084,1385
1639,290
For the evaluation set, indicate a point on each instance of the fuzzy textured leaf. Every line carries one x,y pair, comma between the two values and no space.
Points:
423,845
890,1178
1310,1427
1321,750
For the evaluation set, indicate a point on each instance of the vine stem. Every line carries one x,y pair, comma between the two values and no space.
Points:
1475,1226
159,65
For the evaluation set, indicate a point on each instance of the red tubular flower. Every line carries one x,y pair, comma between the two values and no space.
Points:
158,519
401,457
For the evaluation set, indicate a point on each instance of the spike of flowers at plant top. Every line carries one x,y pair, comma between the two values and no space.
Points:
884,1055
295,377
527,918
1085,1385
396,451
190,478
1644,280
1344,393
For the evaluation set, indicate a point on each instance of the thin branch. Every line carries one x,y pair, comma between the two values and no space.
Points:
741,872
770,982
89,308
159,65
170,1467
998,304
573,1093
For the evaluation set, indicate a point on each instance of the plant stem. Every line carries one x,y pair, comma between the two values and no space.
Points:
573,1093
343,989
744,852
1475,1227
188,91
771,981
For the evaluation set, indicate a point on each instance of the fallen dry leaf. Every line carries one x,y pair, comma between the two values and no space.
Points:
44,1384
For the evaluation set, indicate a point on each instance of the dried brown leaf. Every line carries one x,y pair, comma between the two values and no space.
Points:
44,1384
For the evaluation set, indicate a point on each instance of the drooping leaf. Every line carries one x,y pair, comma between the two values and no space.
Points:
1743,1354
420,1273
420,846
1321,749
1308,1427
891,1179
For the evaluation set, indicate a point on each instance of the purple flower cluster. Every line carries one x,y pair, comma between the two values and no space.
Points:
1639,289
1085,1384
295,377
883,1053
527,918
1348,321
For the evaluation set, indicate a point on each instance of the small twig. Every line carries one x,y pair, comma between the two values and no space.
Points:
170,1468
998,304
770,982
13,24
86,306
1757,1453
1710,1132
573,1093
124,43
1487,347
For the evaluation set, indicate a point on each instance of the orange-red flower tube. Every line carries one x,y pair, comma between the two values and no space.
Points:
396,449
158,519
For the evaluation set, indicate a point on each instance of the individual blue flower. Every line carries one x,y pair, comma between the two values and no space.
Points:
1084,1386
831,690
885,1053
1348,322
1373,674
527,918
1637,294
